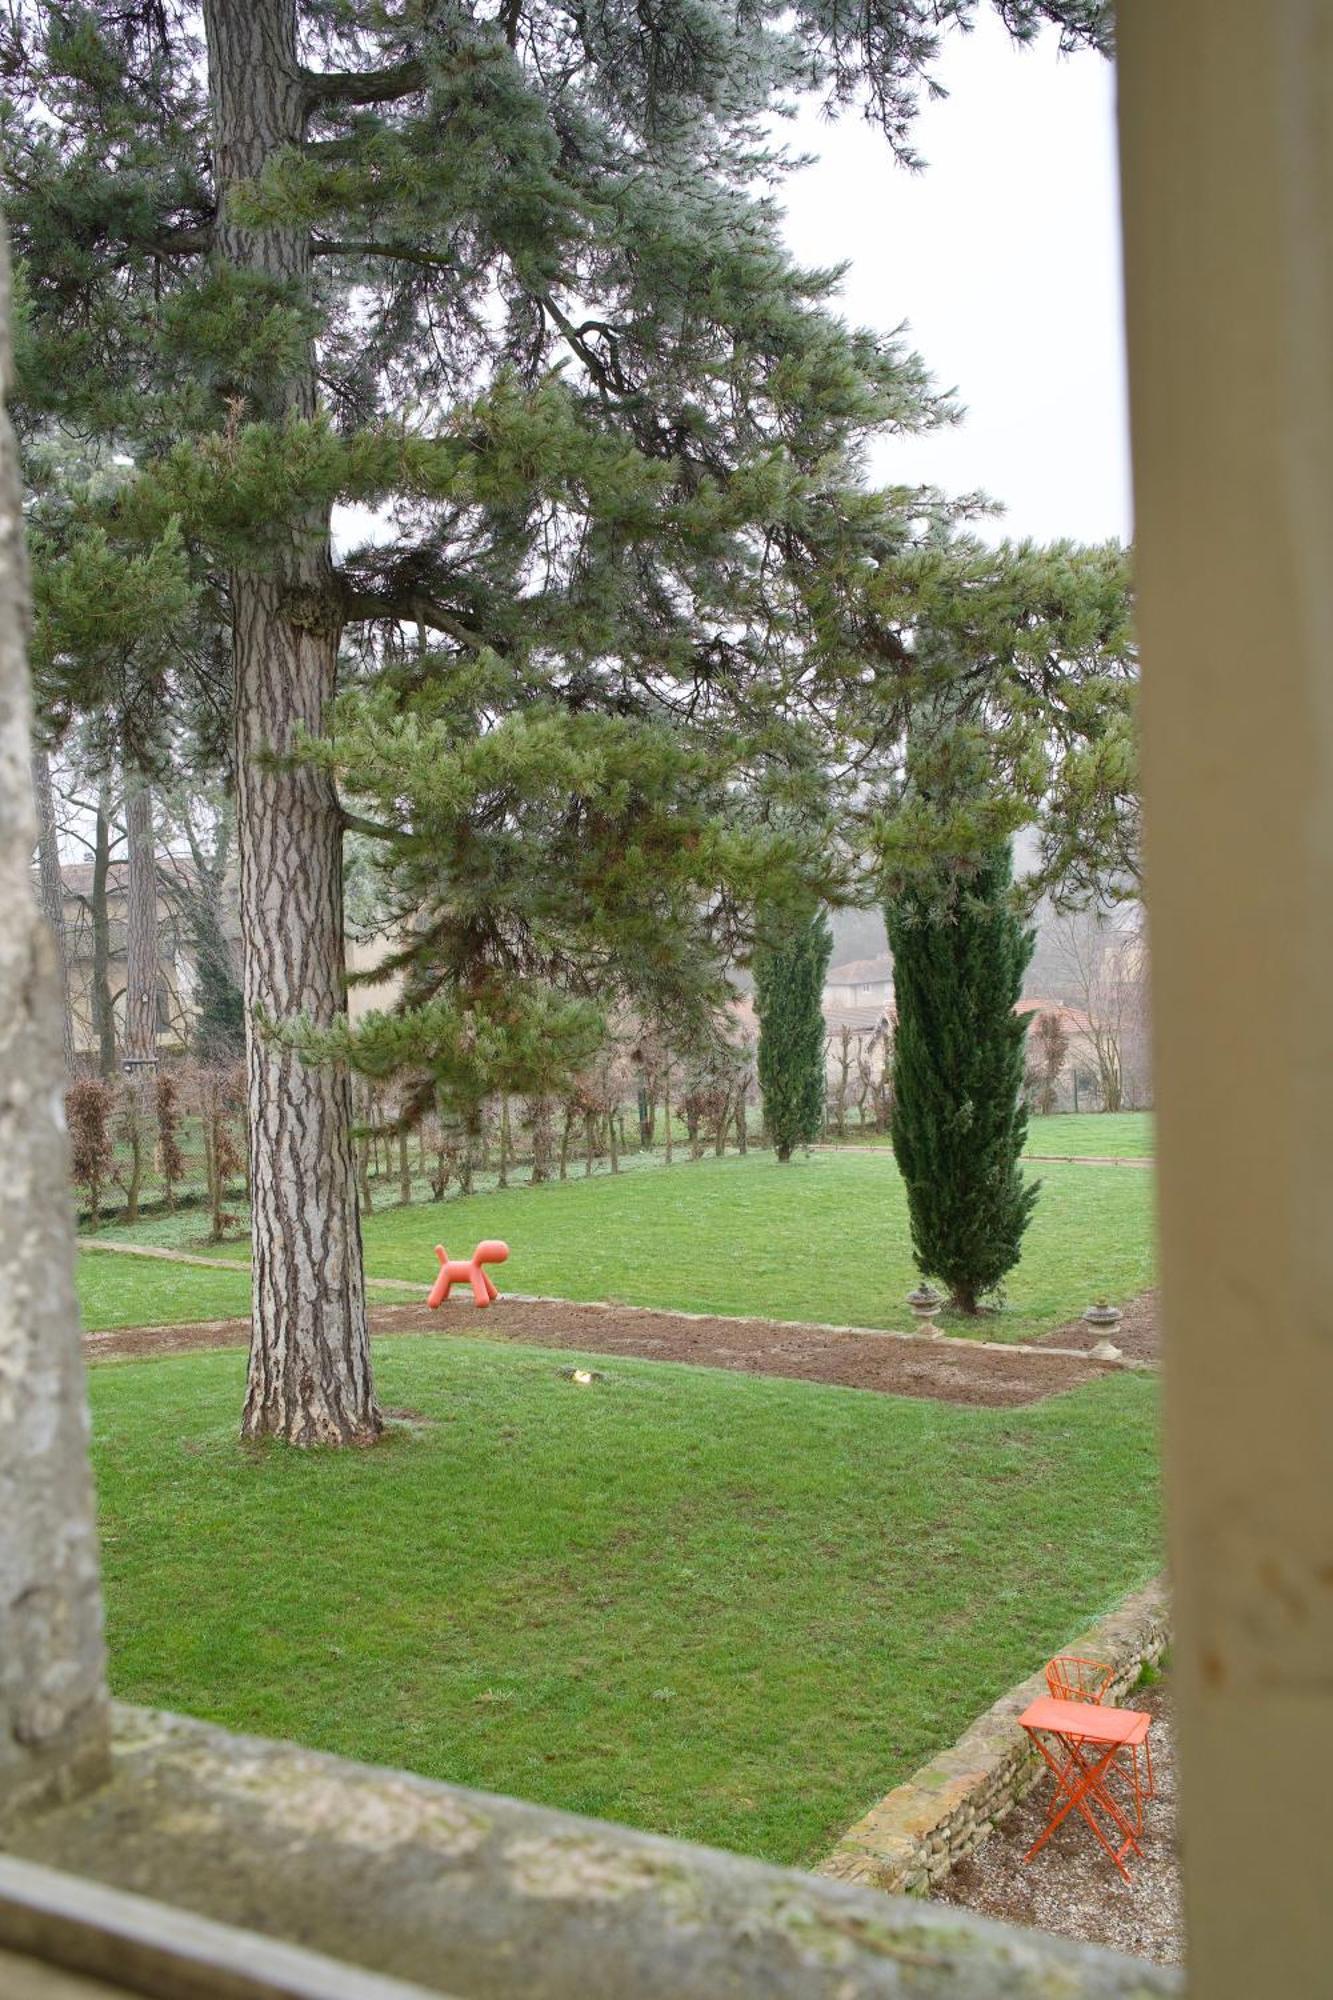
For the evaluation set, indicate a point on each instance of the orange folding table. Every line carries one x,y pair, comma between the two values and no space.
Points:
1093,1753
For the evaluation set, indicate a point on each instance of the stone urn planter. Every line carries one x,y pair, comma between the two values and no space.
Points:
1104,1319
925,1302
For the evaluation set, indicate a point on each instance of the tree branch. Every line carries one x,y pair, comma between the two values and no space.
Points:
178,243
405,253
355,823
372,86
411,606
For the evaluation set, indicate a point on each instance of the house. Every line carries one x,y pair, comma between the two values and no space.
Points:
859,982
177,995
178,886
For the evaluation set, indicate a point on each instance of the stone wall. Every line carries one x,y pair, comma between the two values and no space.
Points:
916,1833
484,1898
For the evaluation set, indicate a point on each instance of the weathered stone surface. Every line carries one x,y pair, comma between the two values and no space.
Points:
52,1698
917,1831
485,1898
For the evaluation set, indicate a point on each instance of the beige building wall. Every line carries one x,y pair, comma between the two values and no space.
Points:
366,955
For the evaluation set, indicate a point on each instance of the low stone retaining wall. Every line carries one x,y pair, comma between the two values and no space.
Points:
916,1832
478,1897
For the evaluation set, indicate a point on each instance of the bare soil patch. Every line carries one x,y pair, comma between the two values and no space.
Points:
951,1373
1071,1888
1136,1336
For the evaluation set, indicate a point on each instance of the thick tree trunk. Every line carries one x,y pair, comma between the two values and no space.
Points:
52,890
310,1377
104,1019
53,1706
141,963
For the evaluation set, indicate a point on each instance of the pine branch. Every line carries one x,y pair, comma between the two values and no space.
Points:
397,252
371,86
372,828
412,606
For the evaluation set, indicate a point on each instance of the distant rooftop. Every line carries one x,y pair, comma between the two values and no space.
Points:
861,972
858,1020
77,876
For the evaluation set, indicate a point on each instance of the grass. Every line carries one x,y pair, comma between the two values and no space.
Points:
1118,1135
824,1238
730,1609
140,1291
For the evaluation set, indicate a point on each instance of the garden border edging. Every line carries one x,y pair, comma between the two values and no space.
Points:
912,1837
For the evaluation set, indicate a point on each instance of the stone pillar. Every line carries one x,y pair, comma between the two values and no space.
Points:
53,1712
1227,149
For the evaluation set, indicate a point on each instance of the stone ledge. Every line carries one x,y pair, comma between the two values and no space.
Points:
484,1897
912,1837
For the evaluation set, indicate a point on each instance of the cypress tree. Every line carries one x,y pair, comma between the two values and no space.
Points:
959,1120
789,986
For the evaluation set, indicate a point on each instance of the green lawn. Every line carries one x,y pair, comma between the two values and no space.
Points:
823,1238
1116,1135
140,1291
726,1608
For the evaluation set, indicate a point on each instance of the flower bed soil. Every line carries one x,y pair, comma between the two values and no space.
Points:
1136,1335
952,1373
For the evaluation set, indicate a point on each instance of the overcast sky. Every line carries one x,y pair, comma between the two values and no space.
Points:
1003,257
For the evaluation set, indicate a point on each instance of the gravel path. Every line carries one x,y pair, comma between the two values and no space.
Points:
1070,1887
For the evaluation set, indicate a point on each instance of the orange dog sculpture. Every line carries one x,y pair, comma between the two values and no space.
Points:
455,1272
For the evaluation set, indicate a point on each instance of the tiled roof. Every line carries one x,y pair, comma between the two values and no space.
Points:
1076,1022
861,972
860,1020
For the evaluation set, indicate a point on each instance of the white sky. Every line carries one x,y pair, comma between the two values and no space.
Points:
1003,256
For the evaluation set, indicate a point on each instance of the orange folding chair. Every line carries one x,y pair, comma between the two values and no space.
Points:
1070,1678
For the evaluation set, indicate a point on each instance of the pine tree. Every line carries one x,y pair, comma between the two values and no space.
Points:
789,988
959,1119
528,308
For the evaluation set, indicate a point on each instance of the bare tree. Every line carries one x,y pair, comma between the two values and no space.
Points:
1048,1046
1105,957
88,1107
51,889
220,1102
104,1020
141,942
874,1070
170,1159
841,1046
